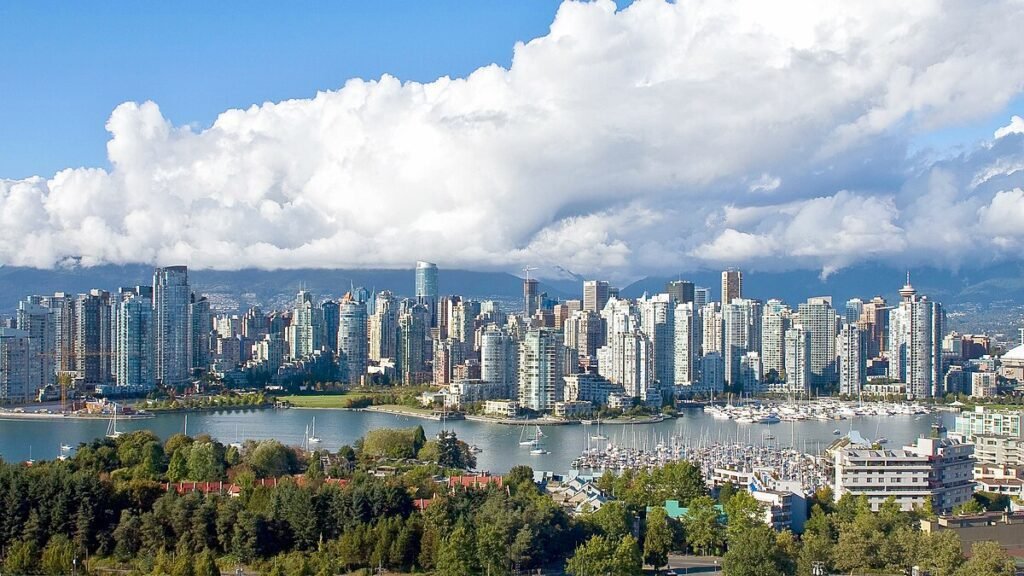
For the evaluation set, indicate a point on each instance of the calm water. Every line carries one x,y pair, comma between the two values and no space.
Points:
500,443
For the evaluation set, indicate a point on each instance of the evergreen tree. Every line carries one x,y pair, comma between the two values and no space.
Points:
457,554
58,555
658,538
177,470
207,564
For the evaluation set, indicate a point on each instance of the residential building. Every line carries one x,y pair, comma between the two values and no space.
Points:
687,344
775,320
998,435
541,369
134,361
741,333
353,342
595,295
657,321
93,332
984,384
384,327
426,289
173,326
851,347
819,321
306,330
915,344
798,362
498,362
412,356
37,319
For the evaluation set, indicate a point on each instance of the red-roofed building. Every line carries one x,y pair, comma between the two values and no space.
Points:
475,481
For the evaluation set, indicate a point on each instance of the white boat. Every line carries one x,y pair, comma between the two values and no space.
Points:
112,431
526,441
313,439
538,448
836,432
598,436
882,440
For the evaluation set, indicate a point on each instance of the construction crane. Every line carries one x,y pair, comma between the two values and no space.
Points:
529,269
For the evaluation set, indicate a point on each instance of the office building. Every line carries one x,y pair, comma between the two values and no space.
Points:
939,470
171,304
680,291
701,297
819,321
874,323
854,310
595,295
93,332
541,369
851,347
732,286
915,344
426,289
353,343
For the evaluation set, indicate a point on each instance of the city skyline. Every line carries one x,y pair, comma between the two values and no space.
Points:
891,144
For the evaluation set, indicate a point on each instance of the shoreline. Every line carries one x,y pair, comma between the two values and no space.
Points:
58,416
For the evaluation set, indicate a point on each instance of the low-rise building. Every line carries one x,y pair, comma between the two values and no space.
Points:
939,469
984,385
573,409
504,408
1006,480
592,388
998,435
1002,527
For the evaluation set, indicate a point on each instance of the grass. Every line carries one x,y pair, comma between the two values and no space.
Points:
403,408
324,400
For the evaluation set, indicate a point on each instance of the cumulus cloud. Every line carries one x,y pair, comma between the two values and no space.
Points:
662,136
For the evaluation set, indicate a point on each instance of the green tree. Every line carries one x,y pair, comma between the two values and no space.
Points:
987,559
204,462
457,554
658,538
703,530
207,564
939,553
270,459
627,561
58,555
183,564
177,470
22,558
754,551
592,557
612,520
743,512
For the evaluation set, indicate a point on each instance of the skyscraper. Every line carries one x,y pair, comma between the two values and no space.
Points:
37,319
854,310
681,291
529,296
595,295
541,369
701,297
686,344
93,337
329,312
584,332
14,366
819,320
384,327
915,343
798,365
774,323
306,327
874,322
711,328
202,323
851,347
498,360
741,333
353,343
657,321
171,299
134,359
413,328
426,289
732,286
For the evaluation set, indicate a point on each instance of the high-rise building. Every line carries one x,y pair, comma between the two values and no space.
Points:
584,332
711,328
171,300
353,343
254,323
874,323
426,289
818,319
701,297
851,347
37,319
681,291
384,327
732,286
854,310
329,312
774,323
686,345
413,329
657,321
93,347
63,307
201,317
915,343
462,323
530,291
15,365
741,333
541,369
498,360
306,327
134,362
798,361
712,373
595,295
750,373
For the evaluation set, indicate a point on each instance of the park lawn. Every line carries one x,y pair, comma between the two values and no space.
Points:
404,408
324,400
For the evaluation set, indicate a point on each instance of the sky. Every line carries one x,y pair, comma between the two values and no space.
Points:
615,140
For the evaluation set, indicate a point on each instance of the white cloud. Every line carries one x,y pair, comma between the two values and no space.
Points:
1016,126
663,135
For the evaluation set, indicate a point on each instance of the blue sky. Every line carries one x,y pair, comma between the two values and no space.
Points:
626,139
65,66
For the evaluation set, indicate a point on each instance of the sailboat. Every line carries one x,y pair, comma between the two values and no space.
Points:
598,436
538,447
526,441
313,439
112,431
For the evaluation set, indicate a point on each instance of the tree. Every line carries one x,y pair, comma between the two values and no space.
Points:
58,555
271,459
177,470
969,508
627,561
725,492
592,557
753,551
22,558
987,559
204,462
612,520
457,554
939,553
207,564
743,512
658,539
703,530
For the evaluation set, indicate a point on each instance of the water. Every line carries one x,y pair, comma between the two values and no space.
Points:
500,443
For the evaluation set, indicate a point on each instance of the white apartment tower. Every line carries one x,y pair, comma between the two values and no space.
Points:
915,343
541,369
353,344
851,346
687,344
798,361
